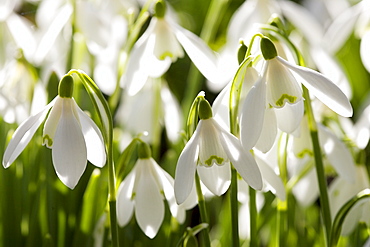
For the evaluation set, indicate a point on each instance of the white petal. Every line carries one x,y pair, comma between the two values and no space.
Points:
274,182
290,116
125,204
149,206
93,138
252,116
69,147
23,135
337,153
307,189
216,178
269,131
365,50
200,54
325,90
220,107
242,160
185,169
51,123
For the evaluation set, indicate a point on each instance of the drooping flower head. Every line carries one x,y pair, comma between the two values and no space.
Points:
209,152
73,137
143,191
279,88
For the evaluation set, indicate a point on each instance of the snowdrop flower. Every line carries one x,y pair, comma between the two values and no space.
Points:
209,152
162,44
341,191
73,137
143,191
279,88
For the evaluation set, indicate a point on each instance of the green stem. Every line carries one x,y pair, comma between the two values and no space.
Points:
208,32
203,212
234,207
324,198
253,217
156,118
71,44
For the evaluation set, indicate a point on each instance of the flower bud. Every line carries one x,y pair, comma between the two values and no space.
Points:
268,49
65,89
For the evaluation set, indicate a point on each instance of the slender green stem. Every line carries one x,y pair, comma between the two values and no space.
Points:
203,212
71,44
234,207
156,118
324,198
253,217
208,32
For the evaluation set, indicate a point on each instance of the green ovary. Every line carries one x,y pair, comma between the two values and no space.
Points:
218,160
289,98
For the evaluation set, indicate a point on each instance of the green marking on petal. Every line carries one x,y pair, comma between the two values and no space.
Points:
47,140
133,196
289,98
165,54
304,152
218,160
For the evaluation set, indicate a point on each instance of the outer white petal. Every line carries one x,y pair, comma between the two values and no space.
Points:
242,160
216,178
200,54
365,50
220,107
324,89
125,204
23,135
69,147
93,138
186,167
149,206
51,123
252,116
337,153
290,116
269,131
272,180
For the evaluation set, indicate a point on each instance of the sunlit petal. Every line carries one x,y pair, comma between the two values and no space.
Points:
51,123
23,135
172,114
216,178
290,116
365,50
185,169
93,138
149,205
325,90
242,160
253,112
69,147
125,204
200,54
269,131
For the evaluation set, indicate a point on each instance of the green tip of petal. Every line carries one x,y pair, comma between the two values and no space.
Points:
242,51
160,9
268,49
286,98
66,87
144,151
204,109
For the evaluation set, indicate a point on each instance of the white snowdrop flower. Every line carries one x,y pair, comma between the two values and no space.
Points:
73,137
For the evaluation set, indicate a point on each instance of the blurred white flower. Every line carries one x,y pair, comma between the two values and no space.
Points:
341,191
162,44
73,137
209,152
143,191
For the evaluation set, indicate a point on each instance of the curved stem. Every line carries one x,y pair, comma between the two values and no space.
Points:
203,212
